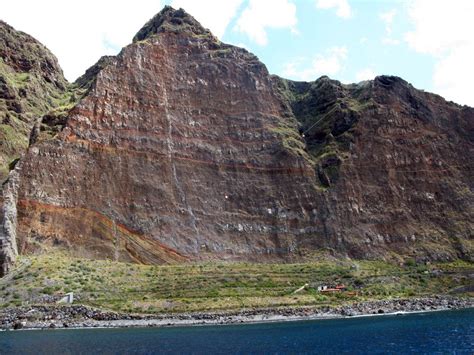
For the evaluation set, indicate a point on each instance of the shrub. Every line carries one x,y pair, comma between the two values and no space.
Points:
410,262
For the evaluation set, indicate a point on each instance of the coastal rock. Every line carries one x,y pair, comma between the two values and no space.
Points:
185,148
395,164
176,153
39,317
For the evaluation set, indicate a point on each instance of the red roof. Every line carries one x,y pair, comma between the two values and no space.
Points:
332,290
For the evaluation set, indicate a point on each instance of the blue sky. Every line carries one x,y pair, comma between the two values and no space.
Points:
429,43
367,47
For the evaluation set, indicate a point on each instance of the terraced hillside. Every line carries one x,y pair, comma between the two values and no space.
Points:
222,286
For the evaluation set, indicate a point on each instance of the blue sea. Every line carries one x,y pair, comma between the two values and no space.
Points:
447,332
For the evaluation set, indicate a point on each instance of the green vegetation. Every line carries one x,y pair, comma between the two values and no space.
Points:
12,78
12,140
217,286
327,112
291,139
33,98
31,84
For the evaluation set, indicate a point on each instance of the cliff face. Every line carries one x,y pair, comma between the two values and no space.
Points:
185,148
396,163
177,152
31,84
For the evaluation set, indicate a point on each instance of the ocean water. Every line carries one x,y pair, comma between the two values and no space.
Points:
447,332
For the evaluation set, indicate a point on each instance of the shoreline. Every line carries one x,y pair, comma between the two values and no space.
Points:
43,317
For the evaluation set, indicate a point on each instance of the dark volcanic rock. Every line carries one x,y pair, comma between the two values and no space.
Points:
171,20
186,148
42,317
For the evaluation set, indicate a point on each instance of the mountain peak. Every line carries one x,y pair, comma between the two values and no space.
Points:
170,20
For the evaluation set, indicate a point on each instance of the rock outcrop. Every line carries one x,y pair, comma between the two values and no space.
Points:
185,148
31,84
8,228
396,164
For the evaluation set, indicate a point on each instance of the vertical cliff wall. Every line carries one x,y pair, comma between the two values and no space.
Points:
31,85
180,150
396,164
185,148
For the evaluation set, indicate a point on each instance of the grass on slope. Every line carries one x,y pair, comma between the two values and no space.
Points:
217,286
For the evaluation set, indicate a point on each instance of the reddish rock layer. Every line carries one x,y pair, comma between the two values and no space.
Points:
185,148
397,164
179,141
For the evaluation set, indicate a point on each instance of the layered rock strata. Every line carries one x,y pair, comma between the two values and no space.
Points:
185,148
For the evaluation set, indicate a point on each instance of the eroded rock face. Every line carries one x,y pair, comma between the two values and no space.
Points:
176,153
185,148
31,83
396,162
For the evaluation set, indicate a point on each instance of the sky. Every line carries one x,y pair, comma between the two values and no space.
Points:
429,43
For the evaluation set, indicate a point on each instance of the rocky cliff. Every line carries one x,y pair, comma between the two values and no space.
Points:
31,84
396,165
185,148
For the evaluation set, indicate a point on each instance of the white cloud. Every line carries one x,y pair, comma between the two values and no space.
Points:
440,25
80,32
387,18
262,14
453,75
390,41
444,30
213,14
332,62
342,7
365,74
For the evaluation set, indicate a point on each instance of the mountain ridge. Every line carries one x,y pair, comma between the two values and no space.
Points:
184,148
171,20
